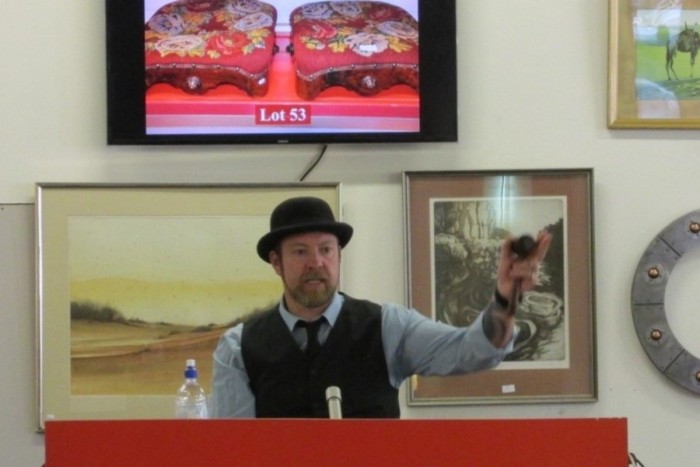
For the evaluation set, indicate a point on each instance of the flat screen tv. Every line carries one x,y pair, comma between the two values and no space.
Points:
280,71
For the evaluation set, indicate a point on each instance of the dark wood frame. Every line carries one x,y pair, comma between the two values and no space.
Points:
517,383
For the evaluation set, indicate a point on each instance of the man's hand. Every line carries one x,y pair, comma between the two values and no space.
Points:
512,268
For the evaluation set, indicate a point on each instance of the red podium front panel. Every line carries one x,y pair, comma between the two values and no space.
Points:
213,443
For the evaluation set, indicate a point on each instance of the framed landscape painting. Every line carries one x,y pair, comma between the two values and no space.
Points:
456,223
654,81
135,279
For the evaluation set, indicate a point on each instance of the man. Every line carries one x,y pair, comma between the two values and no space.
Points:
280,362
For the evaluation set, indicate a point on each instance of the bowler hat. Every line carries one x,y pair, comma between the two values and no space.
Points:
298,215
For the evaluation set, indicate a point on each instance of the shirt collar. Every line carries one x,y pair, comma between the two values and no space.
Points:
331,313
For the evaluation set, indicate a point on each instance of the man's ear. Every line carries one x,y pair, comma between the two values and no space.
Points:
276,262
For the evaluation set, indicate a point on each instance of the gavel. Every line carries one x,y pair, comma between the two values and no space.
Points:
522,247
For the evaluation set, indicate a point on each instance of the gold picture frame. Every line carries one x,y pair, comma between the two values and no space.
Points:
132,279
455,224
651,82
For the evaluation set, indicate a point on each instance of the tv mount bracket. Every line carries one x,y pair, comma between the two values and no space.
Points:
648,294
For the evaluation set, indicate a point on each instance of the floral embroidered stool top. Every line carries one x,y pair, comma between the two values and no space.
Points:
364,46
196,45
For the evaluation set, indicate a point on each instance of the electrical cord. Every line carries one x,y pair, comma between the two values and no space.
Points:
634,461
314,163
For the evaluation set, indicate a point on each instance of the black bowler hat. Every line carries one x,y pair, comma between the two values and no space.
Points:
298,215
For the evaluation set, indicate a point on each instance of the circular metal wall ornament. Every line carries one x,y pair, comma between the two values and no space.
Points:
648,294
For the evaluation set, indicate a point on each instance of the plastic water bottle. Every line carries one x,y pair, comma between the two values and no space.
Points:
191,400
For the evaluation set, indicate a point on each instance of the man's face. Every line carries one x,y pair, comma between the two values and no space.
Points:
309,265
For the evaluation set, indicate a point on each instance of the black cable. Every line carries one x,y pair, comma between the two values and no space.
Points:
633,461
314,163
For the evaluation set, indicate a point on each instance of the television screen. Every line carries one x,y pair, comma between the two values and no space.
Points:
280,71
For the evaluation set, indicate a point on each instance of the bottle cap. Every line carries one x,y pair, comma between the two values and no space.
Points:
191,370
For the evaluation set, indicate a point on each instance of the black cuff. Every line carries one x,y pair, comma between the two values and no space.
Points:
501,301
487,323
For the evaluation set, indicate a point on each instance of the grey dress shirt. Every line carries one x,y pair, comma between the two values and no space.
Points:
413,344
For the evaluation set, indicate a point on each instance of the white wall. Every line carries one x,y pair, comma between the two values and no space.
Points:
532,95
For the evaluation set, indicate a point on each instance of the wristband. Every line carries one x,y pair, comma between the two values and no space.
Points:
502,301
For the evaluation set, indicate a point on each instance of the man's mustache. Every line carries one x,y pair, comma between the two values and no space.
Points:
314,276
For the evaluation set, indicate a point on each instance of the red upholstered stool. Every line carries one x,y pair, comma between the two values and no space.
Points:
362,45
197,45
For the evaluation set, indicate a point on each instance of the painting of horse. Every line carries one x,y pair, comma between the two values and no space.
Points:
688,40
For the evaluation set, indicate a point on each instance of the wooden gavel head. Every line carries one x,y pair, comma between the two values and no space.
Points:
523,246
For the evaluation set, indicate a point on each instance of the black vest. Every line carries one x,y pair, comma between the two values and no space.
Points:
286,385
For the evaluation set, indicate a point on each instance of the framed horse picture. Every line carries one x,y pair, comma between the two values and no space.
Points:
653,81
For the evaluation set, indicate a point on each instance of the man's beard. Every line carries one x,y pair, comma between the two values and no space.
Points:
316,298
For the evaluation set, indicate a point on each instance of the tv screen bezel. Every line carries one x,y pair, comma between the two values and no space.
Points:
126,88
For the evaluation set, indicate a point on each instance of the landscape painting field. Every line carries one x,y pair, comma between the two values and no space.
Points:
149,292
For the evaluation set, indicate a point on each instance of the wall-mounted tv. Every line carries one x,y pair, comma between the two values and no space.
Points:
280,71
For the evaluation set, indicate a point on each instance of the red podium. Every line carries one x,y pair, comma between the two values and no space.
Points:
214,443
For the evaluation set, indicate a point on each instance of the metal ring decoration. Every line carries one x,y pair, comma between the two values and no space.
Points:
648,293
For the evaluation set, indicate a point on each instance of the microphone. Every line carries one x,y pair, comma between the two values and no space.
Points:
333,398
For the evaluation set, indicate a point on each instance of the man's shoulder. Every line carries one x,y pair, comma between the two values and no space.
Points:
350,299
359,303
262,316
